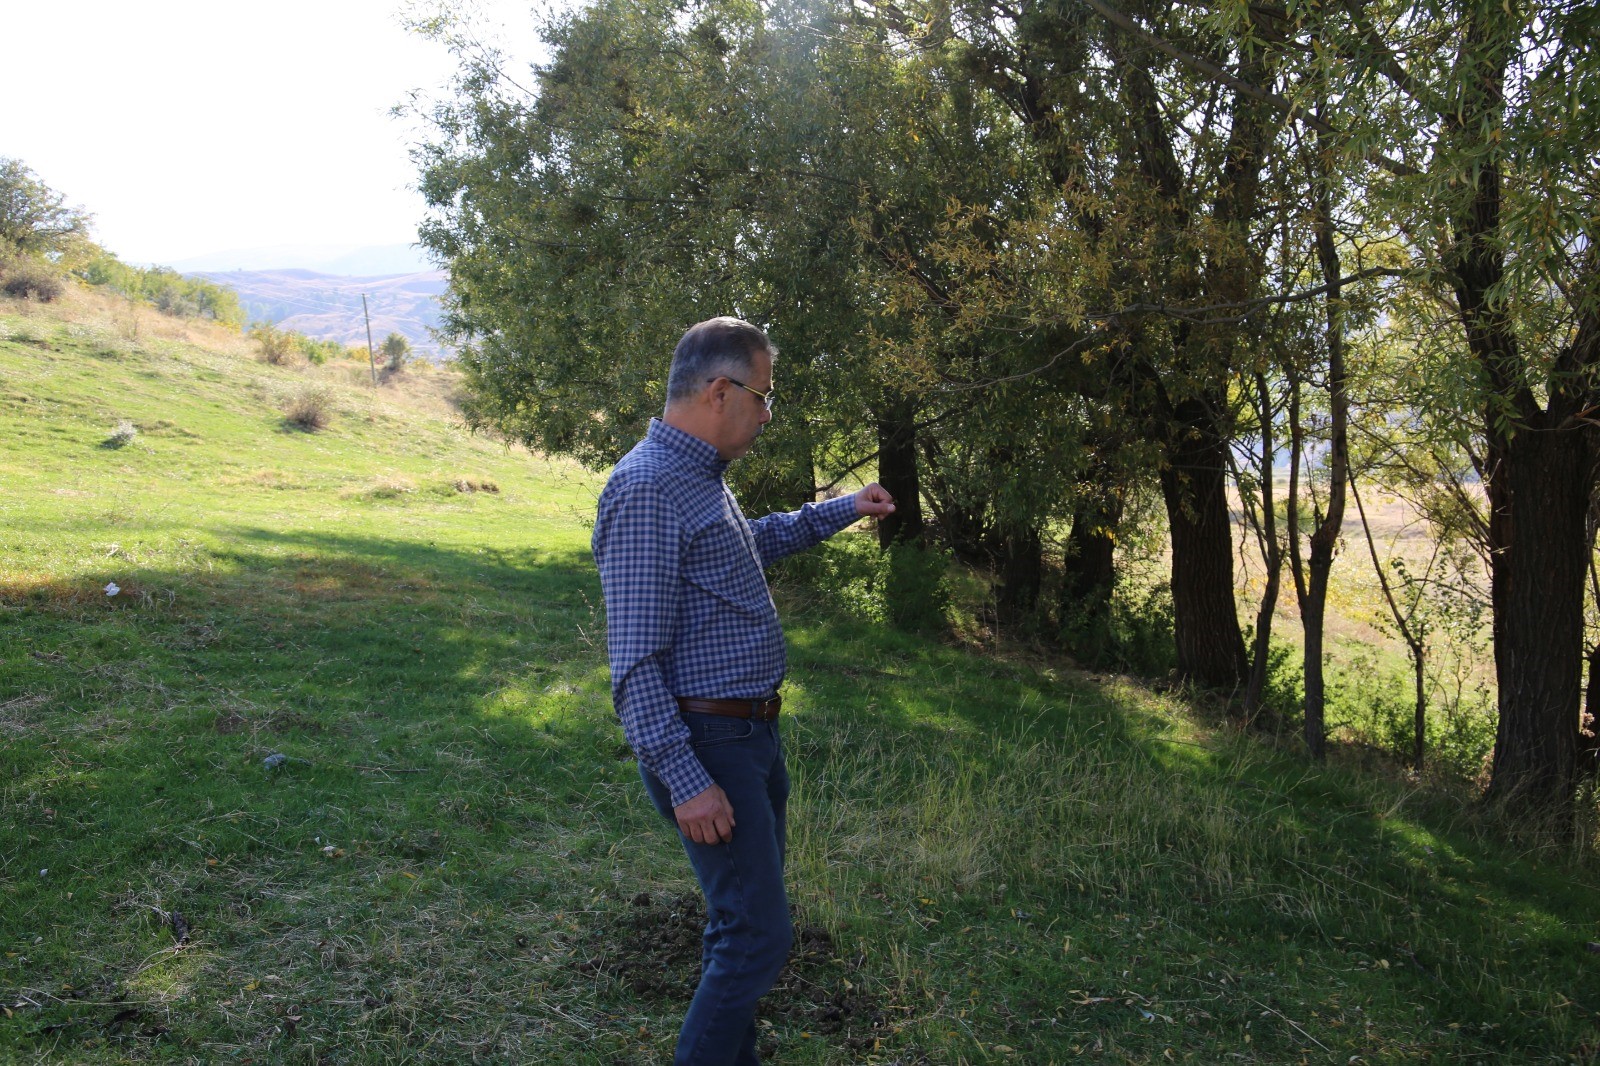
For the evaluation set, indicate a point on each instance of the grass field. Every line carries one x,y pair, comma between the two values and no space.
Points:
995,859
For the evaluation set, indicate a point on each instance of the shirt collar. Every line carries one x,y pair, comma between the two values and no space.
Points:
698,452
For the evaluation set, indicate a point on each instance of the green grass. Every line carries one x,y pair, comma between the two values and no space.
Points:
1014,862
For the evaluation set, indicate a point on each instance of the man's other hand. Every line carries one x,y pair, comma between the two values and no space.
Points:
707,818
874,500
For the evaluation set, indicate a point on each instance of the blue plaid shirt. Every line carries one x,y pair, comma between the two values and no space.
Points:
688,612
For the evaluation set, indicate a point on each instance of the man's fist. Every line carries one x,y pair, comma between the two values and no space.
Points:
874,500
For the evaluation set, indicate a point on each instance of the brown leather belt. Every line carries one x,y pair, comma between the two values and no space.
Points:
761,710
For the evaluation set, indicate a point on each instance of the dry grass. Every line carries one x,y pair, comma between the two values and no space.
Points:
90,307
1358,616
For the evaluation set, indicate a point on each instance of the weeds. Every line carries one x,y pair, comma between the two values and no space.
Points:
125,434
25,278
309,406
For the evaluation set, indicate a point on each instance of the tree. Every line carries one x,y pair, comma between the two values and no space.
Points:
1474,124
34,218
395,351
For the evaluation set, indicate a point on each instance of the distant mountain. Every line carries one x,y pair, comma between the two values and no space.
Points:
368,261
328,306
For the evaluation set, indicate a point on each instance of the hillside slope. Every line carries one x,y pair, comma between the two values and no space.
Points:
333,777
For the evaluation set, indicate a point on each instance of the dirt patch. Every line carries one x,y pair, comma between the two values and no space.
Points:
653,950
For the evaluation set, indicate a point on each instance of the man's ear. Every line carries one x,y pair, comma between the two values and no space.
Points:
716,393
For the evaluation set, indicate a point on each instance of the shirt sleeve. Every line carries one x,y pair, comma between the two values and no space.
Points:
637,546
783,534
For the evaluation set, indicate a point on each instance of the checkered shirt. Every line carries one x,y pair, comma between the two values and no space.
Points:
688,612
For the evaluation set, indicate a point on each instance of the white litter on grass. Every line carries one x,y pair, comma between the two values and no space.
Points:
111,588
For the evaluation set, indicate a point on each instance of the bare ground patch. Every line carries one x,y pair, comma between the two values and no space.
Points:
652,949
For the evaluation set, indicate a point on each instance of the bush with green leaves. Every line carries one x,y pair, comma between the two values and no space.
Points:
168,291
916,588
396,351
27,278
273,345
317,351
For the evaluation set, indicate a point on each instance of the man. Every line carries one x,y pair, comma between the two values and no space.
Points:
697,655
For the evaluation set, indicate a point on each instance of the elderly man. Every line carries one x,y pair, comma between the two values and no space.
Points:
697,655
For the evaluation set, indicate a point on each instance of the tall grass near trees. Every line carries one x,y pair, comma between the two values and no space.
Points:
996,860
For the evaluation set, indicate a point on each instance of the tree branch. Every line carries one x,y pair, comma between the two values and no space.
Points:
1239,85
1247,307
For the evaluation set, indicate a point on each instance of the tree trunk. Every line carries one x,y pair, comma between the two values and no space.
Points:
1589,733
1539,489
1089,575
897,472
1204,618
1019,563
1323,540
1539,459
1272,559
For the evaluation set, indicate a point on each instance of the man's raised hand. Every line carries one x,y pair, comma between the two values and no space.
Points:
874,500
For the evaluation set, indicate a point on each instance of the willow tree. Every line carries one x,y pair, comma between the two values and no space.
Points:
651,173
1477,124
1156,176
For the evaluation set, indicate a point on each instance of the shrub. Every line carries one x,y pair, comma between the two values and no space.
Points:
916,588
122,436
170,292
318,351
1141,629
463,484
396,351
274,345
26,278
309,406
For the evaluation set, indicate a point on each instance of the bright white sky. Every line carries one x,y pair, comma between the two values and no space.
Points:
187,127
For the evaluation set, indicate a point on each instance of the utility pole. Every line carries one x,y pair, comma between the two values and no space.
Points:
371,359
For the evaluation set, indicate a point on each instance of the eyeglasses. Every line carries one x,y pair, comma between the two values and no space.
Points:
765,397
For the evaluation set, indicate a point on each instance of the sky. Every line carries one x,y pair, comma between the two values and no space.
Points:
187,127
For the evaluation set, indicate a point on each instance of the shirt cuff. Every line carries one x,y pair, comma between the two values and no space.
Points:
682,773
838,513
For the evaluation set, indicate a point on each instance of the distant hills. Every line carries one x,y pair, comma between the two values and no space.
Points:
327,306
346,259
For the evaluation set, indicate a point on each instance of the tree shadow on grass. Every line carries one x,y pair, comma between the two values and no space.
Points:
445,713
1091,796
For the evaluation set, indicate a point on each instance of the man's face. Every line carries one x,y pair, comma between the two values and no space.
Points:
744,415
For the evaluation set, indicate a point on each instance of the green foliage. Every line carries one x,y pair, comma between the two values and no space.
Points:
319,352
905,586
273,345
915,585
1373,702
1141,629
454,851
396,349
35,219
31,278
168,291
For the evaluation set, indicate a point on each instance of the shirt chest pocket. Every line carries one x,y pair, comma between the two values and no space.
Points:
722,561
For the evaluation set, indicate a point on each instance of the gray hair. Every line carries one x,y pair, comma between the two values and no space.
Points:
714,348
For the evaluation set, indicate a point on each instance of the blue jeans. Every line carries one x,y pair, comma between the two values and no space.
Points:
747,933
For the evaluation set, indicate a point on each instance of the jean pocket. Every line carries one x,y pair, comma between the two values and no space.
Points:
706,731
